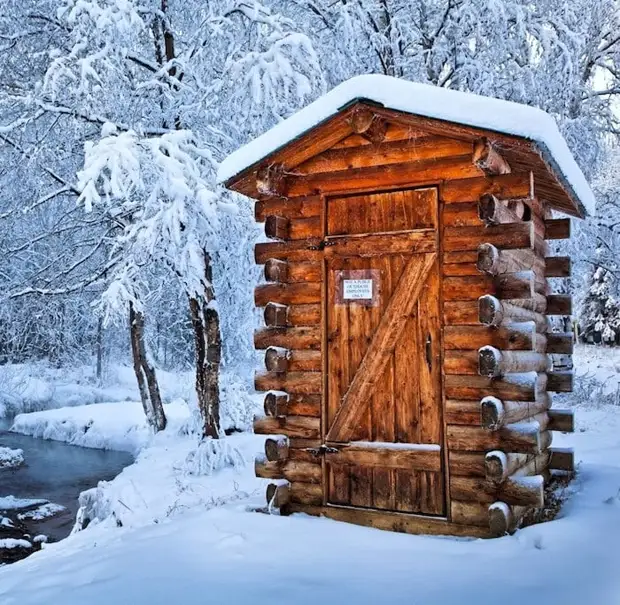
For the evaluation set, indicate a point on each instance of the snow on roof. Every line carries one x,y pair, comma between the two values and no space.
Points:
425,100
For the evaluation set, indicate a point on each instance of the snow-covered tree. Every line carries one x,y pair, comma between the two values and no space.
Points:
600,314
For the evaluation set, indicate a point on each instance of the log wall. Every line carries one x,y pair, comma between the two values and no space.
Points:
497,363
497,373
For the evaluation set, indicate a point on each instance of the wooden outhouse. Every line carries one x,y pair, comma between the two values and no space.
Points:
408,337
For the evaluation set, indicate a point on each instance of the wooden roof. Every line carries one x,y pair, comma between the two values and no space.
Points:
522,154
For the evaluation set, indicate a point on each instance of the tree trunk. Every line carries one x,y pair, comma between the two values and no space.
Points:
206,324
145,373
99,351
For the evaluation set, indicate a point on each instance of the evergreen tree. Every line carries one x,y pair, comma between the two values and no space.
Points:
600,314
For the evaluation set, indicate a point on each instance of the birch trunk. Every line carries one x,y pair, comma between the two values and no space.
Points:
207,339
145,373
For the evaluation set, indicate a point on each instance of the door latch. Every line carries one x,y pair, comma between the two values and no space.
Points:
429,352
322,450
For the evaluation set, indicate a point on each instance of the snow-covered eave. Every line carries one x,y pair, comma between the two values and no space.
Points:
465,109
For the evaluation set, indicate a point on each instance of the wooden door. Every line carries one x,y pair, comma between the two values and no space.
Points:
383,413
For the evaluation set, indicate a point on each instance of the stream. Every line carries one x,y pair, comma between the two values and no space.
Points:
56,472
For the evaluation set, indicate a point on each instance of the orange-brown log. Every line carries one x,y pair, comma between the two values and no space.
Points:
304,207
509,337
306,493
461,313
488,158
521,491
508,236
469,513
520,438
460,411
291,294
278,495
494,312
562,459
560,342
493,362
289,426
559,304
496,262
466,464
276,449
496,413
557,266
293,404
389,152
406,174
278,315
289,338
493,211
561,420
512,387
560,382
304,383
283,272
460,362
508,286
283,360
277,227
298,250
505,186
291,470
557,228
271,180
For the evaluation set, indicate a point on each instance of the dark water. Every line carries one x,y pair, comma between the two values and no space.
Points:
56,472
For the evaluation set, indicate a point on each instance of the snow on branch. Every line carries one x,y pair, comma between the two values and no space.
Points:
162,186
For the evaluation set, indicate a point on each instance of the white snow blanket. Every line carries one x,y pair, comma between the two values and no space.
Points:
178,553
115,426
425,100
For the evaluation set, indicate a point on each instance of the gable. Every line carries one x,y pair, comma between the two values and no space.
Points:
413,150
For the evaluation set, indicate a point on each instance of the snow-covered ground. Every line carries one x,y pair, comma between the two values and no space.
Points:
41,386
172,529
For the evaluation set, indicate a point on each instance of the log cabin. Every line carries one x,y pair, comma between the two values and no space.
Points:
408,350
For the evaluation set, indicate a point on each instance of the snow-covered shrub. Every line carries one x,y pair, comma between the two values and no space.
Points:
10,458
212,455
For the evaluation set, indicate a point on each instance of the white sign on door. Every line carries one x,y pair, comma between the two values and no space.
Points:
357,289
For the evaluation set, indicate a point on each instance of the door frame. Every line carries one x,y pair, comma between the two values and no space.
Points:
325,349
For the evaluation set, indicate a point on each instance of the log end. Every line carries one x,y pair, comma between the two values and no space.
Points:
488,257
489,362
491,413
500,519
278,495
489,310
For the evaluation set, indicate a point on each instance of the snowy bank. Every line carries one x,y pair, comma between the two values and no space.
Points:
41,386
115,426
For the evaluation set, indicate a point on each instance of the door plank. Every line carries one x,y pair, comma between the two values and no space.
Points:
356,399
